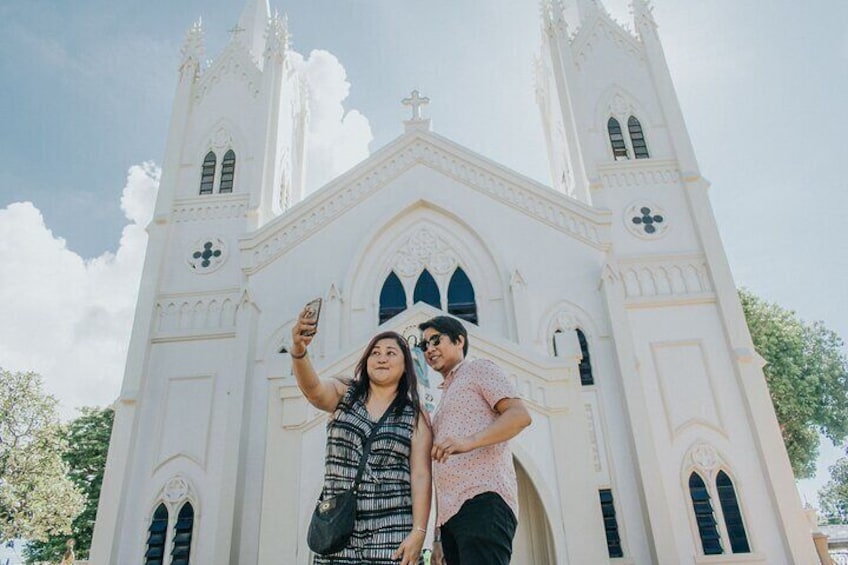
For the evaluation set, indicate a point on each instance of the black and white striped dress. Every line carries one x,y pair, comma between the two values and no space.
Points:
384,502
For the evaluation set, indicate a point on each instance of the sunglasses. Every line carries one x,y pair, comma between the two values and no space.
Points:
434,341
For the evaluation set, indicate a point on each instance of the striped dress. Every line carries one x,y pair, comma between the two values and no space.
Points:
384,502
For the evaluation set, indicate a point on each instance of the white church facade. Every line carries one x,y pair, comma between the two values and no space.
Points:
606,296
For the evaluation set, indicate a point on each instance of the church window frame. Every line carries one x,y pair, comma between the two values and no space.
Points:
228,171
393,298
618,143
427,290
704,513
638,142
587,377
735,530
183,535
208,172
615,548
157,536
461,298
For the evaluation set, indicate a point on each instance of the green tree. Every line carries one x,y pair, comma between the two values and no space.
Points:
807,375
833,497
37,499
87,439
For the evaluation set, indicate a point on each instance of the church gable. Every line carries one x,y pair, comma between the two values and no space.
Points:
438,154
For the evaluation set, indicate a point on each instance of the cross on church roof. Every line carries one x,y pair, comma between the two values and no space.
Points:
236,30
416,101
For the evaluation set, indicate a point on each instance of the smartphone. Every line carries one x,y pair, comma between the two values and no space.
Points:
313,311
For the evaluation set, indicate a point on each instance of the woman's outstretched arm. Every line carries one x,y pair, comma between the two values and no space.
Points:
323,395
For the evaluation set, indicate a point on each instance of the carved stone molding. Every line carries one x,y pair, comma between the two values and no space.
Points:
604,29
235,62
425,249
704,456
211,208
667,277
548,206
632,174
176,490
190,314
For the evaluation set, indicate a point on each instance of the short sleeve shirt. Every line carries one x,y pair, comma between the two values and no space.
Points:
470,393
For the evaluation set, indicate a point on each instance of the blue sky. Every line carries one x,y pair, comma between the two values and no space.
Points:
86,98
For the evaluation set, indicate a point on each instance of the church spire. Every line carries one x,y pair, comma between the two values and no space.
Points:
250,30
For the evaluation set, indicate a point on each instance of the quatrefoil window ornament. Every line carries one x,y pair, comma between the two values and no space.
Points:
207,255
646,220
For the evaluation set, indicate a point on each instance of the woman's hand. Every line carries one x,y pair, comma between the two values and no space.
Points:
409,551
303,332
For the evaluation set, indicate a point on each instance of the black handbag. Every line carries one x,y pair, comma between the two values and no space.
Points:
333,518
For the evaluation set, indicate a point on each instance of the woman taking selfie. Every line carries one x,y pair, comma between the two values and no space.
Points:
393,495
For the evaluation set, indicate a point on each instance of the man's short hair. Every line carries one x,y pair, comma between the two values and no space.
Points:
450,327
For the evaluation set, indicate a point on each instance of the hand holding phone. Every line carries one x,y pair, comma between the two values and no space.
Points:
311,312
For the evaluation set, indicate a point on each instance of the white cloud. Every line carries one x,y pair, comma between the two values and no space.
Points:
337,139
67,318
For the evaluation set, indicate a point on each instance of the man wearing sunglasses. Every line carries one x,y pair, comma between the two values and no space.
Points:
476,488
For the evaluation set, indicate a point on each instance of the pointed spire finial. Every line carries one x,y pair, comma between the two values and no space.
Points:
277,36
250,30
193,48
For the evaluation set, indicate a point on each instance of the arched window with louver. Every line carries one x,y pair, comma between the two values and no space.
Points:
461,301
228,171
207,174
586,377
155,553
392,298
182,535
426,290
732,514
619,147
637,138
704,516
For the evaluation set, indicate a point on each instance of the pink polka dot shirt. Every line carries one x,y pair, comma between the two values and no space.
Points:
469,395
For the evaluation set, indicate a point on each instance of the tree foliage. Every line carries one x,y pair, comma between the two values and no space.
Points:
807,375
833,497
87,439
37,499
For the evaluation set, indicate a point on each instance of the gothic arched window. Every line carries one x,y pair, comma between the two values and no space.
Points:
228,171
586,377
155,554
426,290
732,514
704,517
637,138
461,302
392,298
619,147
207,175
182,535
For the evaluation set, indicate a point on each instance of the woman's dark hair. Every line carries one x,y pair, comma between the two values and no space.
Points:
408,385
450,327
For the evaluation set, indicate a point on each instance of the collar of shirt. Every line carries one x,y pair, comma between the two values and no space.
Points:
451,374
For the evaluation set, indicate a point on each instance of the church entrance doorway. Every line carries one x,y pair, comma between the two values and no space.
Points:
533,544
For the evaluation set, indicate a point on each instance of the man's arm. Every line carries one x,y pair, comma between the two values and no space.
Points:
513,417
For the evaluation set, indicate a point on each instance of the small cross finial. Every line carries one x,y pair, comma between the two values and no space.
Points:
235,31
416,101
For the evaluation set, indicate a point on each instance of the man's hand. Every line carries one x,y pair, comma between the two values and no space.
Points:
438,555
451,446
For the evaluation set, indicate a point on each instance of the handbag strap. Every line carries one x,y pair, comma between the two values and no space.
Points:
366,448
